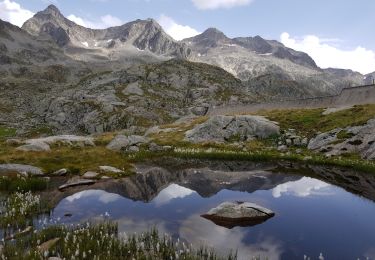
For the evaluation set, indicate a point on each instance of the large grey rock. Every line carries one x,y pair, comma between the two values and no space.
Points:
20,168
34,147
118,143
237,128
90,175
43,144
75,181
127,143
231,214
323,139
110,169
133,89
360,139
65,139
61,172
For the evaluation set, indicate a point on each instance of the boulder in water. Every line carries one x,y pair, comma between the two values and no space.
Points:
232,214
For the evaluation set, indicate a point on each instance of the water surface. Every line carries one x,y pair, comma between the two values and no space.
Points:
312,216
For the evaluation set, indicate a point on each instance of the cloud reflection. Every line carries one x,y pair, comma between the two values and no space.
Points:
173,191
99,195
301,188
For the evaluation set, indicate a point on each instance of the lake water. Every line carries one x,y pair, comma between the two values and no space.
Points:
312,216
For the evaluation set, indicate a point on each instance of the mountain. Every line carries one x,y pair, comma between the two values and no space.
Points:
137,38
44,90
268,66
60,77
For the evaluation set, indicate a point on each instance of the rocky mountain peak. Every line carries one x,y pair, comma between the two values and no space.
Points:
52,9
214,34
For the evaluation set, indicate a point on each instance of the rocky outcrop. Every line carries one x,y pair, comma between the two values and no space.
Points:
127,143
76,181
43,144
20,168
232,128
357,139
232,214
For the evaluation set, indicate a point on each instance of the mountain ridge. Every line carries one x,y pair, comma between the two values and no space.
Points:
140,35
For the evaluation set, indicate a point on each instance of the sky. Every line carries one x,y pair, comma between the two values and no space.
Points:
336,33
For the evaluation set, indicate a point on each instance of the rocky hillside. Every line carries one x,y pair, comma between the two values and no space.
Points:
137,38
268,66
136,97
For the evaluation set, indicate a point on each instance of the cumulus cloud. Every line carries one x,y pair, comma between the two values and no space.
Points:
177,31
327,54
104,21
12,12
215,4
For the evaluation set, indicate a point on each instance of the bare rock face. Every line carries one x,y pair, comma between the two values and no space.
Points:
20,168
232,214
43,144
76,181
357,139
141,35
232,128
127,143
257,60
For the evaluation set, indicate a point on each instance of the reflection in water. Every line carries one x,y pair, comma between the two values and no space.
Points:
173,191
340,225
196,230
304,187
103,197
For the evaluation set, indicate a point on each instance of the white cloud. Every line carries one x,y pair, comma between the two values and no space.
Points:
12,12
215,4
326,54
104,21
177,31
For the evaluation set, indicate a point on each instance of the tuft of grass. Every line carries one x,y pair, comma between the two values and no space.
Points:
18,210
342,135
13,184
6,132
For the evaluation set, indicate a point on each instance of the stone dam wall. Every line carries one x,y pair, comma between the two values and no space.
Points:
347,97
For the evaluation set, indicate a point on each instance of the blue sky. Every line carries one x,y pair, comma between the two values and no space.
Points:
342,29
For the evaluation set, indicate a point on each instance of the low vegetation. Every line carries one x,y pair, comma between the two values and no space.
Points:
16,183
310,121
83,241
6,132
18,209
77,160
102,241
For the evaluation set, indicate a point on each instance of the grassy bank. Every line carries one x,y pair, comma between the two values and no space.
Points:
259,156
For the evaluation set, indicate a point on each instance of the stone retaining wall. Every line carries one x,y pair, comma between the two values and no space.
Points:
348,97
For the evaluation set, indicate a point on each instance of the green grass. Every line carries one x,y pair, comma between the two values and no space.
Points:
75,159
310,121
6,132
13,184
